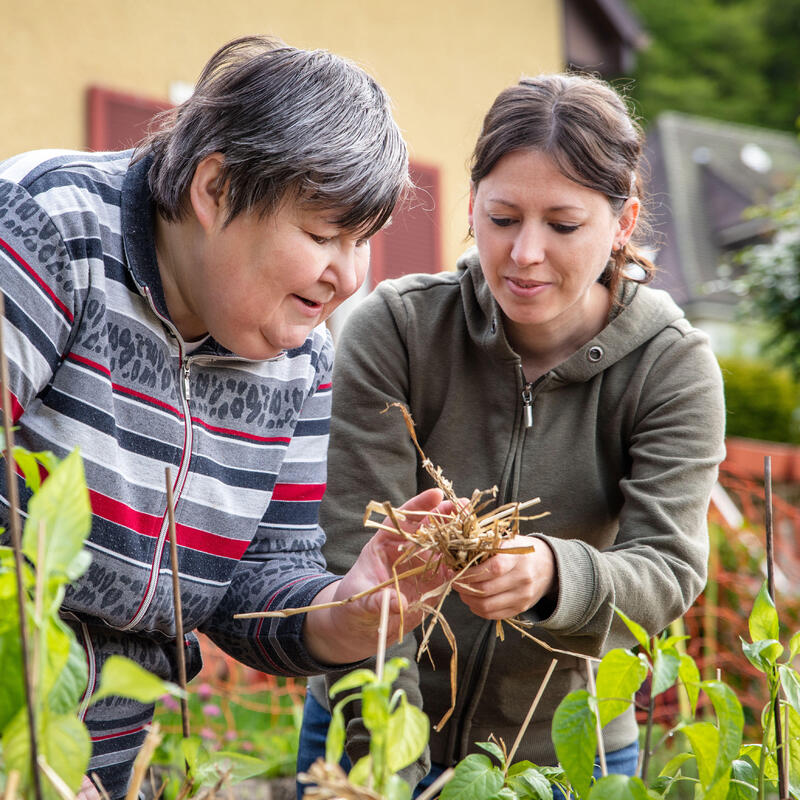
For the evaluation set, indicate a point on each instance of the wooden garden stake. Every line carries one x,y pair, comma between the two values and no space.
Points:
531,710
56,781
143,759
601,750
380,659
16,540
782,785
436,785
176,595
12,782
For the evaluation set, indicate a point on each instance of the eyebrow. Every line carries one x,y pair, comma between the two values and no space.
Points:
510,204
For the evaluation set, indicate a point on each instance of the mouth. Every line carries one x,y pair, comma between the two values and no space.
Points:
313,304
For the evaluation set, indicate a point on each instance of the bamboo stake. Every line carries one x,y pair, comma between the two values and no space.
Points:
12,782
531,710
436,785
56,781
16,539
176,596
143,759
601,750
382,631
782,785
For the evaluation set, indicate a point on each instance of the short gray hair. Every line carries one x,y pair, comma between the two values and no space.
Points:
301,123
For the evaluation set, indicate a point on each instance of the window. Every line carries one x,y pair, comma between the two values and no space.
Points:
117,120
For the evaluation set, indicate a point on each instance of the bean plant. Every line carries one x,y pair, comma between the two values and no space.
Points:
715,762
56,526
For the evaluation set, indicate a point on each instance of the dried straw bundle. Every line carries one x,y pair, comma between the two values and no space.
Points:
332,784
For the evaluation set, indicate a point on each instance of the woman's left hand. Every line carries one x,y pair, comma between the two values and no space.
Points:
509,584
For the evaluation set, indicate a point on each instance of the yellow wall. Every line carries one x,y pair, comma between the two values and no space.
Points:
442,61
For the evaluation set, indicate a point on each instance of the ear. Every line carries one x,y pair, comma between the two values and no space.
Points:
626,223
206,196
471,204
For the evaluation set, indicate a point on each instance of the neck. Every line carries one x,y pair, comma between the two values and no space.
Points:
542,347
173,252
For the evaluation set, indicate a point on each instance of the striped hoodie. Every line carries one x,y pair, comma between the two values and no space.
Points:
95,363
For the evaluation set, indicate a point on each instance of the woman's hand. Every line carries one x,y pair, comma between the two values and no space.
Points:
87,790
506,585
350,632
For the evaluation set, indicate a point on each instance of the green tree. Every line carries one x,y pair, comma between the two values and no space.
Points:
735,60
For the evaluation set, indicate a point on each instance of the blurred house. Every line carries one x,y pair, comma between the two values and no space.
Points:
705,174
91,73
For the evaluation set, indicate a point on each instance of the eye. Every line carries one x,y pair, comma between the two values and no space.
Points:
320,239
560,228
502,222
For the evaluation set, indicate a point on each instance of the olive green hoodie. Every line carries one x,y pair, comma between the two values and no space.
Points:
623,450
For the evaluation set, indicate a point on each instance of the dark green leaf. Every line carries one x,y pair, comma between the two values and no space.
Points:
530,783
762,654
475,778
790,683
744,781
493,749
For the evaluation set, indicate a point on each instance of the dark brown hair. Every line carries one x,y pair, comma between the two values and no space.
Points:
584,125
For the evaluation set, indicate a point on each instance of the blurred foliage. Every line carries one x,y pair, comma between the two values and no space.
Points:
761,402
735,60
770,285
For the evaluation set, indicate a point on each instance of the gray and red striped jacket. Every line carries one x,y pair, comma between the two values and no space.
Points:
95,363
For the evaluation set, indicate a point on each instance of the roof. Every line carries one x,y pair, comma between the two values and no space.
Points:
704,174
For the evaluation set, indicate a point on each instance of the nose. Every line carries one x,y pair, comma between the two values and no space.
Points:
529,245
348,268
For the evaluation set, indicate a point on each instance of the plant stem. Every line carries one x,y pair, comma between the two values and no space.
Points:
380,659
601,750
782,787
178,610
16,539
437,784
651,710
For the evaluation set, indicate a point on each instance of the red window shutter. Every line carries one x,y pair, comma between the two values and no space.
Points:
118,120
412,243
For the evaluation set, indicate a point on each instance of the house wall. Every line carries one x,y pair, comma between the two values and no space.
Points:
442,62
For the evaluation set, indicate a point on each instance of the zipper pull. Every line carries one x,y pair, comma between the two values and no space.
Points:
186,392
527,405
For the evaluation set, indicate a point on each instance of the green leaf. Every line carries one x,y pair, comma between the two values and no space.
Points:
794,646
237,766
529,783
475,778
763,654
353,680
392,668
763,621
62,508
334,741
575,738
493,749
125,678
730,721
790,683
407,735
639,633
689,675
671,768
666,664
61,739
374,708
704,740
65,673
361,771
619,676
12,690
744,781
396,789
619,787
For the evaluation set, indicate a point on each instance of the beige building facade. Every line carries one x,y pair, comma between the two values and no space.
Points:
441,61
